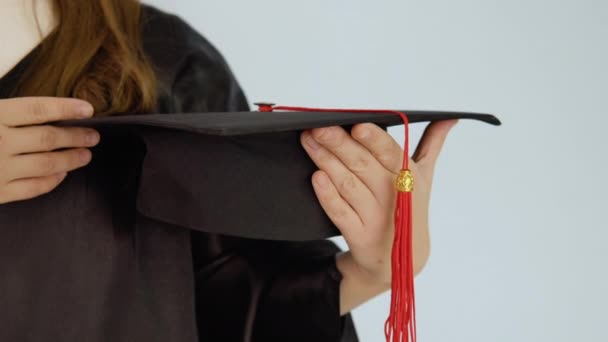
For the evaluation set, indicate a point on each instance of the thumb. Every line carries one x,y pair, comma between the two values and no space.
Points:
432,141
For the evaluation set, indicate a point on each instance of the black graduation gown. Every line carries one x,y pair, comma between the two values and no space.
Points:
80,264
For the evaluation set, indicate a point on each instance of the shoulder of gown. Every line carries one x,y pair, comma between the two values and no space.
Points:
193,76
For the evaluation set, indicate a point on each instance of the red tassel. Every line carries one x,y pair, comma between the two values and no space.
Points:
400,325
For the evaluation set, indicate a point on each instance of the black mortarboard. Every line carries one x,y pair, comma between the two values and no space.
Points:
238,173
245,174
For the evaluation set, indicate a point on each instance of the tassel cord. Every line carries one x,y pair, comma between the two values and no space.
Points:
400,326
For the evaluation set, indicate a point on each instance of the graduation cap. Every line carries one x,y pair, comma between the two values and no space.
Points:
240,173
245,174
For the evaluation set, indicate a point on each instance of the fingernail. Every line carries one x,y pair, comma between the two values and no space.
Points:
85,110
312,143
92,138
84,155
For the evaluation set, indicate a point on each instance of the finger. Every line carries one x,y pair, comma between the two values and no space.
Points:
25,189
382,146
336,208
358,159
38,110
432,141
47,163
48,138
350,187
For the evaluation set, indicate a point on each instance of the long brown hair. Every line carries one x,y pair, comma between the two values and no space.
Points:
94,53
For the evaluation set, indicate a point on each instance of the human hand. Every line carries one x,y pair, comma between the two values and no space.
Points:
31,162
356,187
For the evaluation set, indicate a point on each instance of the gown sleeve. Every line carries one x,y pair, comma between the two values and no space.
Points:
254,290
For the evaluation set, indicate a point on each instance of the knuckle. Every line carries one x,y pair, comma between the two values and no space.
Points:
392,149
341,213
388,154
329,135
49,138
348,184
48,163
364,131
385,157
39,110
78,137
338,211
360,164
324,157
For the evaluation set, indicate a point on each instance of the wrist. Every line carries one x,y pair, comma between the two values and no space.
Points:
356,287
350,269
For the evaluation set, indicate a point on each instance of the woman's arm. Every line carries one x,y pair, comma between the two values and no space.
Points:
357,287
355,187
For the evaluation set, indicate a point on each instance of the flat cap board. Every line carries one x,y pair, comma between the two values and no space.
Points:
241,123
236,173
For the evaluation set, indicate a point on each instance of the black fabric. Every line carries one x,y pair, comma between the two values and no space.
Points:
240,173
267,125
9,81
81,264
281,293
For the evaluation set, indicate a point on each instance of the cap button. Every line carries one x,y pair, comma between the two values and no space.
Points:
265,106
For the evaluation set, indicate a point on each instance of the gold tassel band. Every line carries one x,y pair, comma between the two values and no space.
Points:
405,181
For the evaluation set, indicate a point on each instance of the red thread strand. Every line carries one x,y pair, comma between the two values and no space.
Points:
400,325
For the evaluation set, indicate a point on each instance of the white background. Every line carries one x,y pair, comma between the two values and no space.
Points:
518,212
